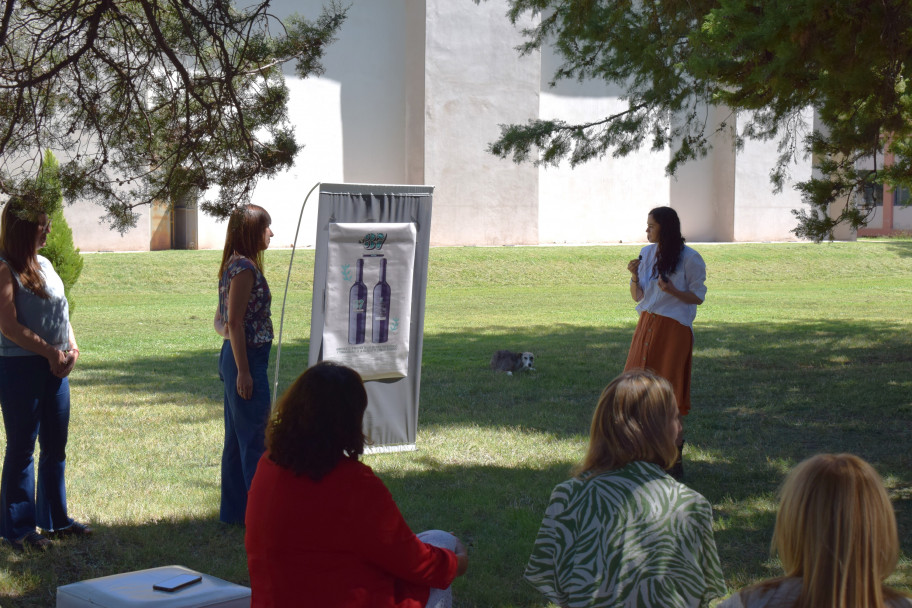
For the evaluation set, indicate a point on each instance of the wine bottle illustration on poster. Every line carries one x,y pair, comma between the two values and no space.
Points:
380,324
357,308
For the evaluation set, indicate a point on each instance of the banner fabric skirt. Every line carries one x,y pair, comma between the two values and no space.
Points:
664,346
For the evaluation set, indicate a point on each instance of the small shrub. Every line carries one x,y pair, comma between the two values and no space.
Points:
59,248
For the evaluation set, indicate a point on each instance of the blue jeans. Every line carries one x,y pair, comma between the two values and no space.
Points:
245,429
36,405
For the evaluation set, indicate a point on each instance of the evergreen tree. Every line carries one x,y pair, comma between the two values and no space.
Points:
150,99
766,60
59,248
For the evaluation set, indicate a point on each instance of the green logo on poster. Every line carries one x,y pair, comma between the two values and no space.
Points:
373,240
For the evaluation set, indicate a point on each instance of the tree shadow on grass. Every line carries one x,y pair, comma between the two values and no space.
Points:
177,375
203,545
485,506
765,396
902,248
783,390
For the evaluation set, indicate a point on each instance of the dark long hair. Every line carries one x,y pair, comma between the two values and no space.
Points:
17,244
670,244
246,228
317,422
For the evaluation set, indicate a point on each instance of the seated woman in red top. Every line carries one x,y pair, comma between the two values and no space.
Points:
322,529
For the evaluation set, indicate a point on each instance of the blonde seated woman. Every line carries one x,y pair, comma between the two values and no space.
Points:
836,537
622,532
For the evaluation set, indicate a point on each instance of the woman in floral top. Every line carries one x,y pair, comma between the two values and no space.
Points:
622,532
243,318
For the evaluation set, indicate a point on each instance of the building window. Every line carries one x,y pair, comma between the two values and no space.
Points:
872,195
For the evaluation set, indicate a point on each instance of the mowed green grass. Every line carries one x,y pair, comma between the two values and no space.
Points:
800,349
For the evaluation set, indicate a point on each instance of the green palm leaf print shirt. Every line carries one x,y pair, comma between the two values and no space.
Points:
634,537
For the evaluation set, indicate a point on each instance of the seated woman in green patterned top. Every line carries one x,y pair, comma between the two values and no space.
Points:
622,532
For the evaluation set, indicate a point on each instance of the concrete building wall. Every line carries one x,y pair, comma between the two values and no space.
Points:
761,214
902,218
351,120
415,58
603,200
701,190
413,93
899,218
876,219
91,233
474,80
841,232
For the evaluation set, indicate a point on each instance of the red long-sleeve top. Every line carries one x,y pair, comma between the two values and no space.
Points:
337,543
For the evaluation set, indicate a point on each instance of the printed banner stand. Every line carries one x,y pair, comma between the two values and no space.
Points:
370,280
369,297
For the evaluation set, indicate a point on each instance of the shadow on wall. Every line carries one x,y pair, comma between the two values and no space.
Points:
551,61
368,61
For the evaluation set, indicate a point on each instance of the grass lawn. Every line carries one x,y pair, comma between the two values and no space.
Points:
800,349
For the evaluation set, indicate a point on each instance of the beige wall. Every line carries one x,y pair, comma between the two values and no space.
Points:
600,201
761,214
160,227
902,218
603,200
473,81
701,191
413,93
91,233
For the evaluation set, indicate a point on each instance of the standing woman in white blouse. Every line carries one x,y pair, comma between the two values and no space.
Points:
668,283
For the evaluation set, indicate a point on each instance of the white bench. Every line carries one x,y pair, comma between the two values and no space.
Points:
134,590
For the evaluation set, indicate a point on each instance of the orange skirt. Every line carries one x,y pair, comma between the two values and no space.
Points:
664,346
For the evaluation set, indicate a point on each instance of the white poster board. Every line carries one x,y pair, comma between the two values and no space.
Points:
369,297
391,419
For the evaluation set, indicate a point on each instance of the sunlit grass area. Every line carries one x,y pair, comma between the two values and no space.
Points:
800,349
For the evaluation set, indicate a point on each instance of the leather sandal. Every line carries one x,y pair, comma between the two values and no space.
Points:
33,540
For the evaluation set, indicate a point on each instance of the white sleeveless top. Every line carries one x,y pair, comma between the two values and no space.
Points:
49,318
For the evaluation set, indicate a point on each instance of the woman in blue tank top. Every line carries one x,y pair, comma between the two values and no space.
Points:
37,352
